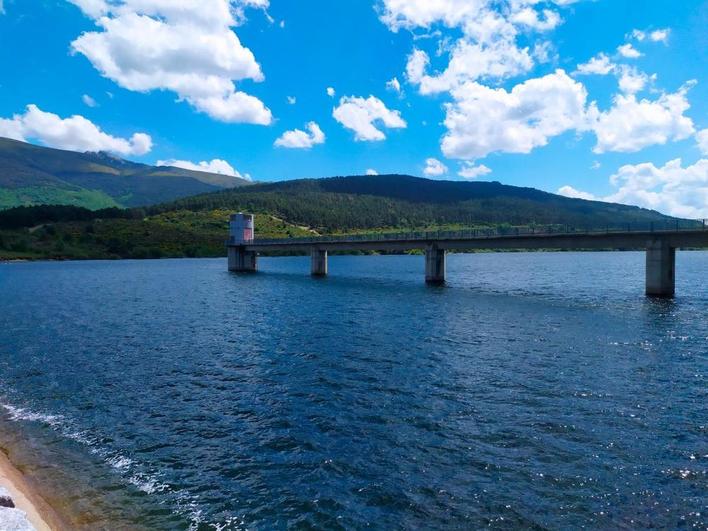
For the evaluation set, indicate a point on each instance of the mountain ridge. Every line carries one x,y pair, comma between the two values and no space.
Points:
31,175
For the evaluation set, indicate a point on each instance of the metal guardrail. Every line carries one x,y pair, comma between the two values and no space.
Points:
483,233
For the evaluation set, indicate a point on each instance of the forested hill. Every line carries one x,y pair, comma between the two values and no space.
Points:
35,175
376,201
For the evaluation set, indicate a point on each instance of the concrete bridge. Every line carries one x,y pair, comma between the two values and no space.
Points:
660,244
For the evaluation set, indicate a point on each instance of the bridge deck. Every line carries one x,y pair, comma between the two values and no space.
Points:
488,239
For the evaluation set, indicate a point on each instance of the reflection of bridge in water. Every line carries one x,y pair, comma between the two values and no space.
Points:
659,240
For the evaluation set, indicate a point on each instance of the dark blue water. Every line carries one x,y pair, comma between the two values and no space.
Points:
535,390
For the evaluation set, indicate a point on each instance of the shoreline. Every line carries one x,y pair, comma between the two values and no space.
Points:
38,512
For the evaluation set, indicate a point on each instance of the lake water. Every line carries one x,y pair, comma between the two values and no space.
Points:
537,390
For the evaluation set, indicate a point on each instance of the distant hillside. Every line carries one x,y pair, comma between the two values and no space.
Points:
35,175
401,201
197,226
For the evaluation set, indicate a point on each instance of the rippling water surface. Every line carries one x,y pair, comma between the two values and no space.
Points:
535,390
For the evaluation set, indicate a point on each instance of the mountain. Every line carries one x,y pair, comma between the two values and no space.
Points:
197,225
401,201
33,175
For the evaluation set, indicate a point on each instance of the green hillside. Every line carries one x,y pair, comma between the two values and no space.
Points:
400,201
197,226
35,175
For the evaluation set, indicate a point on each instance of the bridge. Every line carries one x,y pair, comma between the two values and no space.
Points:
659,241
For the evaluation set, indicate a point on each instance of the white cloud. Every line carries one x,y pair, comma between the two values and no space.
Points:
569,191
632,80
394,85
702,139
660,35
483,120
434,168
371,171
292,100
487,47
529,17
633,124
89,101
219,166
638,35
470,171
599,65
330,92
596,165
75,133
671,189
469,61
187,47
92,8
300,139
364,115
629,51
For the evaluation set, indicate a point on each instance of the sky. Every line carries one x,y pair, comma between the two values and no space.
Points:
599,99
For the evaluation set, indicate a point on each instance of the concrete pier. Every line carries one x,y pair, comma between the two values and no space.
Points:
242,260
660,269
435,265
318,262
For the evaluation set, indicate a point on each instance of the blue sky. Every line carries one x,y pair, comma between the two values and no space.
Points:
501,90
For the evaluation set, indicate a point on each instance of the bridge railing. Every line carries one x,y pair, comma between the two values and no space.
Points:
496,232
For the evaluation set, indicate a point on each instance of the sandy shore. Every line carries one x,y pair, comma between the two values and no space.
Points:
38,513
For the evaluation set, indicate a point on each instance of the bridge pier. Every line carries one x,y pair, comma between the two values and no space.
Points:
661,269
241,260
435,265
318,261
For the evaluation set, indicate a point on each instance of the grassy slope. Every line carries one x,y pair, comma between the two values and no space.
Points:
47,195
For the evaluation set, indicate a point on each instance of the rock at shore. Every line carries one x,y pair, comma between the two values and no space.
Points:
12,519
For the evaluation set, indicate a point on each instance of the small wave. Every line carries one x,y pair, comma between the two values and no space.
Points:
185,504
19,413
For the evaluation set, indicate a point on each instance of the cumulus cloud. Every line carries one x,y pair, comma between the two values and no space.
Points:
484,120
299,139
219,166
292,100
371,171
470,171
394,85
89,101
632,124
434,168
468,61
632,80
330,92
364,116
569,191
702,139
529,17
629,51
599,65
672,189
75,133
488,47
659,35
187,47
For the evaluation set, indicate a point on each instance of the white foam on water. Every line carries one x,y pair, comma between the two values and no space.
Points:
184,503
19,413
